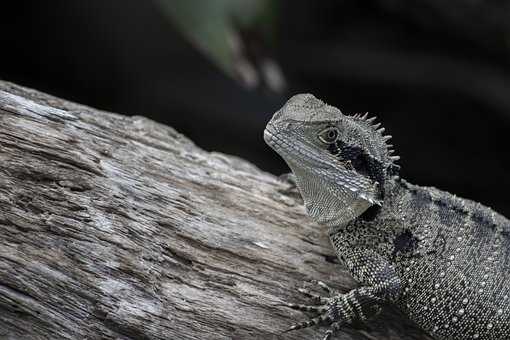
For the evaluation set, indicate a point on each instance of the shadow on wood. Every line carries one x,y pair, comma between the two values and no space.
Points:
115,227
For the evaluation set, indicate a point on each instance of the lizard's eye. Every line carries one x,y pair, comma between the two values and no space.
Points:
329,135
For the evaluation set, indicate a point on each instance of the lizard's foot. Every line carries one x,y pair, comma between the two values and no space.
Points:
291,188
331,310
290,180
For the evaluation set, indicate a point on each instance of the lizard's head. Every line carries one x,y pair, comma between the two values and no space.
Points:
340,162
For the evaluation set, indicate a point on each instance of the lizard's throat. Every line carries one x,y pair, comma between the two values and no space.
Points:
328,203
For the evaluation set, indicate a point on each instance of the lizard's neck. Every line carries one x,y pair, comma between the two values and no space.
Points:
392,189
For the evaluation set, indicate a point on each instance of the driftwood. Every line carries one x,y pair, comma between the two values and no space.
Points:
115,227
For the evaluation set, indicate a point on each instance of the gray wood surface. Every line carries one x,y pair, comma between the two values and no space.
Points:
115,227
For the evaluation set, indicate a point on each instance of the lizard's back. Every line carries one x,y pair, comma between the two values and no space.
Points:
454,264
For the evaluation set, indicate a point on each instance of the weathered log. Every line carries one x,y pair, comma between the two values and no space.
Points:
115,227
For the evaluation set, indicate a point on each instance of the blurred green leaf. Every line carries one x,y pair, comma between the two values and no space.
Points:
215,27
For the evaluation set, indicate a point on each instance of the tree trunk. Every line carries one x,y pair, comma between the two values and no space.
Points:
115,227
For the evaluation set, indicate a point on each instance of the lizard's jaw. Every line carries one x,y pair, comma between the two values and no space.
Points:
333,195
326,202
292,150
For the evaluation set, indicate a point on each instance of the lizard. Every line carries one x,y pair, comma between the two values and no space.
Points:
440,259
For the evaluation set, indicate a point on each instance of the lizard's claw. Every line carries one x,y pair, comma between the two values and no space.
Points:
291,184
328,310
289,178
335,327
325,287
303,308
315,297
305,324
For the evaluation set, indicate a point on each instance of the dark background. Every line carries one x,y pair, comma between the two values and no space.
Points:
436,73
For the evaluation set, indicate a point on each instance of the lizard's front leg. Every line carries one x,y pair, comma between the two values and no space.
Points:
381,285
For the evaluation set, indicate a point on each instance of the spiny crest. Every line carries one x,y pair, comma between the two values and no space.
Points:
376,128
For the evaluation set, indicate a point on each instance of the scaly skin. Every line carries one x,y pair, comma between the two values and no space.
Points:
442,260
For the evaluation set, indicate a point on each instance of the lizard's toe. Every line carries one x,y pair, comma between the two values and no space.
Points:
315,297
335,327
321,319
327,310
305,308
325,287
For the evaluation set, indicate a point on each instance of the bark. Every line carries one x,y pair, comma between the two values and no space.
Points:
115,227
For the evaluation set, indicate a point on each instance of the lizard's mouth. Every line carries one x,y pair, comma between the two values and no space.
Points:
299,152
271,139
302,157
330,192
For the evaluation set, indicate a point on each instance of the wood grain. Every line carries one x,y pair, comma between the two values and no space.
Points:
115,227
